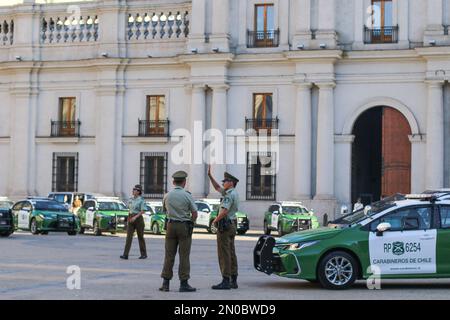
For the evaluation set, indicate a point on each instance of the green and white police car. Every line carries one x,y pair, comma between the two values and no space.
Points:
287,217
42,215
398,237
103,214
207,212
154,218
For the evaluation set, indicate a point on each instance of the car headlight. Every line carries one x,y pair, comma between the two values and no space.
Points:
41,216
301,245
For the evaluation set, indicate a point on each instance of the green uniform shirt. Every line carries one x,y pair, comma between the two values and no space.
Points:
179,204
230,202
136,205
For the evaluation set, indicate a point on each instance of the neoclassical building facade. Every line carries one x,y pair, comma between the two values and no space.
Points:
95,96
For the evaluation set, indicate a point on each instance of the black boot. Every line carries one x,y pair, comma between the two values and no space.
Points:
185,287
233,283
224,285
165,285
124,257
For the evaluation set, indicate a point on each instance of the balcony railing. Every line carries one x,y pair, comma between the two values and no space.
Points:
7,32
65,129
69,30
263,39
153,128
152,25
261,126
381,35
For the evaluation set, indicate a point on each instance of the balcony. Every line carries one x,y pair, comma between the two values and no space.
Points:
65,129
261,126
154,128
380,35
263,39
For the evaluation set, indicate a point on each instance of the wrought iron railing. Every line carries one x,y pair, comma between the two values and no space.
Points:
65,128
381,35
153,128
261,126
263,39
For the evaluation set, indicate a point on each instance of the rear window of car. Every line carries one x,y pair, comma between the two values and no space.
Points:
111,206
6,204
50,206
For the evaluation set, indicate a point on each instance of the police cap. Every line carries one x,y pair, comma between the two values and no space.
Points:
228,176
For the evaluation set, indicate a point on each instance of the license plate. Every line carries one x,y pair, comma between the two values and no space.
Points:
3,222
120,226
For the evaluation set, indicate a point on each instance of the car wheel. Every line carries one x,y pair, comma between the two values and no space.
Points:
81,231
337,270
44,233
280,230
212,227
72,233
97,231
113,232
155,228
33,227
267,231
241,232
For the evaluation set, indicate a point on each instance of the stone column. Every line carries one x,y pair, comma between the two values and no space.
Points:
113,27
434,30
435,136
325,142
198,26
302,164
219,122
221,25
343,169
360,22
302,18
197,167
403,21
326,32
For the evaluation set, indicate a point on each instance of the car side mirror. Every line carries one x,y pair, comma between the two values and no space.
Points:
383,227
344,210
367,209
205,210
410,224
276,212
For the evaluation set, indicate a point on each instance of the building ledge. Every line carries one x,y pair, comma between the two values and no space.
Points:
134,140
64,140
5,140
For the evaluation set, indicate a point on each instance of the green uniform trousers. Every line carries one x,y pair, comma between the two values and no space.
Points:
226,251
178,236
138,225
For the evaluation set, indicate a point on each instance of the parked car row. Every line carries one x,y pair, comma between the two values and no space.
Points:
76,212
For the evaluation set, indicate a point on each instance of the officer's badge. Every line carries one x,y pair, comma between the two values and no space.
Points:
398,248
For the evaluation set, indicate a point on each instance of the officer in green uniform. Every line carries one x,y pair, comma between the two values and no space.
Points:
181,214
227,224
136,205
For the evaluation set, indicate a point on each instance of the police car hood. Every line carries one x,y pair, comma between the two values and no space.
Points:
297,216
309,235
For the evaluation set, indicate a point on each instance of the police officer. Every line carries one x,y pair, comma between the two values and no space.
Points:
181,214
136,205
227,224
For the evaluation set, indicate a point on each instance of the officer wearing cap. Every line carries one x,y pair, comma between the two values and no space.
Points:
225,236
137,207
181,214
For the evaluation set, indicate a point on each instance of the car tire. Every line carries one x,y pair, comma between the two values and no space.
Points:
72,233
267,231
155,228
44,233
212,228
241,232
33,227
113,232
82,230
96,228
334,278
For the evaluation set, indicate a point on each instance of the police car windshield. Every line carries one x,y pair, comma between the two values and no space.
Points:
111,206
6,204
376,207
50,206
293,210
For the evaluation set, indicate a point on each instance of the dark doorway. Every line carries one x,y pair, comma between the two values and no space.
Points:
381,155
366,157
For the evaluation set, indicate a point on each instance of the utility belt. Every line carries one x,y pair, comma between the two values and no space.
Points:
189,223
225,224
177,221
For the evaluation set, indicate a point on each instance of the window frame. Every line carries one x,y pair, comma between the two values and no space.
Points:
250,195
143,171
55,173
377,221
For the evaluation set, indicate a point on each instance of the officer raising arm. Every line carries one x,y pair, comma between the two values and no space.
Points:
181,214
227,224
